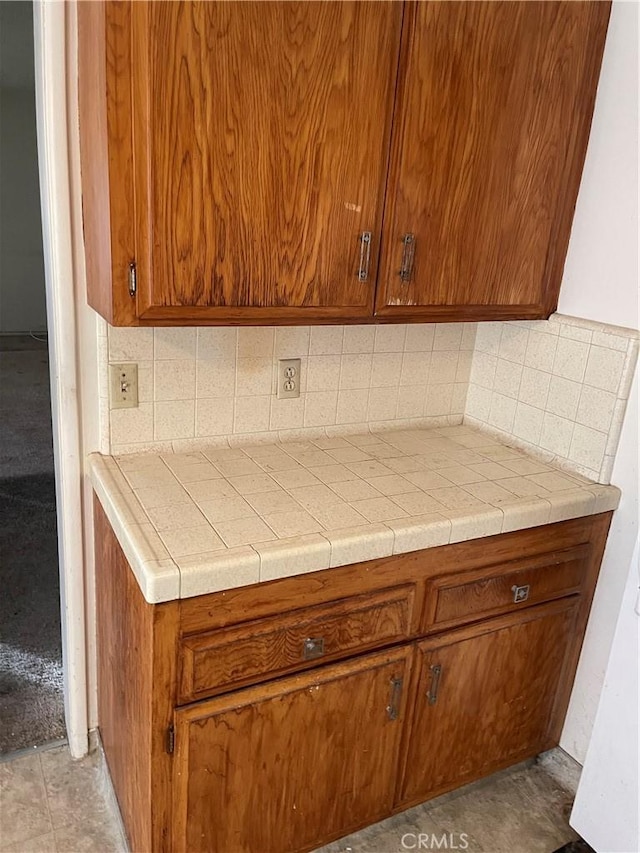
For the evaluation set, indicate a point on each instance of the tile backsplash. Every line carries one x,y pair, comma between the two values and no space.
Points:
210,383
557,387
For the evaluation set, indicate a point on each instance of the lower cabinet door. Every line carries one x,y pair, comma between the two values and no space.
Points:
288,765
485,698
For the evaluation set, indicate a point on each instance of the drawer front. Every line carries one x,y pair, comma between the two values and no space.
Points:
467,596
213,662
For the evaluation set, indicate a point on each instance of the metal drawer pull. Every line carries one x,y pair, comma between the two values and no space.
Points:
520,593
313,647
365,255
432,693
408,251
393,708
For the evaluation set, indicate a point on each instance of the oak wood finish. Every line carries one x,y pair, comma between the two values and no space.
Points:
234,606
106,158
324,741
213,662
240,150
136,645
598,541
494,701
261,137
468,596
492,120
316,739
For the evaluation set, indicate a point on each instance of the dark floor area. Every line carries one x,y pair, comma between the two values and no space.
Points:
31,697
578,846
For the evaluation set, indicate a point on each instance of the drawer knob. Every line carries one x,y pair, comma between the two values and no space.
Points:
313,647
520,593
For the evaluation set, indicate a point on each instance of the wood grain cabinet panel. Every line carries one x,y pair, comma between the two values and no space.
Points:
294,761
212,662
259,148
485,698
490,132
275,768
236,152
454,599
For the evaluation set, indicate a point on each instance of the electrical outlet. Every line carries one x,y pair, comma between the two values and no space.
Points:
288,378
123,386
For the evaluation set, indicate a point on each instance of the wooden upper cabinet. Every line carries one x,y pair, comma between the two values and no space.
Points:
490,132
237,152
258,147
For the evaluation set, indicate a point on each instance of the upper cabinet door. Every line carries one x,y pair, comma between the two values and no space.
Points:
492,119
260,145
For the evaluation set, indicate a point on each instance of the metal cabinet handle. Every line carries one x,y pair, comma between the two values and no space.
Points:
313,647
520,593
393,708
432,692
408,251
365,255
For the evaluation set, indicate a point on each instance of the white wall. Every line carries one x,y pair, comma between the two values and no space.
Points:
22,291
601,271
601,283
606,807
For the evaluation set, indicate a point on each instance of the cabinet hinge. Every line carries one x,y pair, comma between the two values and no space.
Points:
133,279
171,740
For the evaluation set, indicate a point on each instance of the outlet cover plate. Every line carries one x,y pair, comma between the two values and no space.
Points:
288,378
123,386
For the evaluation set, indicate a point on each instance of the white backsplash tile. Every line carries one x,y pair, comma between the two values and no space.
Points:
174,343
571,359
325,340
556,387
214,416
390,338
130,344
320,408
175,379
220,382
572,393
604,368
216,343
256,341
173,419
251,414
359,339
513,343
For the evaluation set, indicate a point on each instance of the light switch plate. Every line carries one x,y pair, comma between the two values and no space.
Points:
288,378
123,386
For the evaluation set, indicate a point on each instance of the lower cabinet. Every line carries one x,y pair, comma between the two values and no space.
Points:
278,717
484,698
275,768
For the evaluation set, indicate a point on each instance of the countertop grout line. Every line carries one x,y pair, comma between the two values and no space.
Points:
410,443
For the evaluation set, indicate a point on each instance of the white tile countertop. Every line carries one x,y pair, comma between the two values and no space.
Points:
200,522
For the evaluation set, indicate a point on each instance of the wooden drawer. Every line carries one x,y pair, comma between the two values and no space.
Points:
454,599
214,662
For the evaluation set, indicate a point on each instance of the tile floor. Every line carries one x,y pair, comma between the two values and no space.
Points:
521,810
50,803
